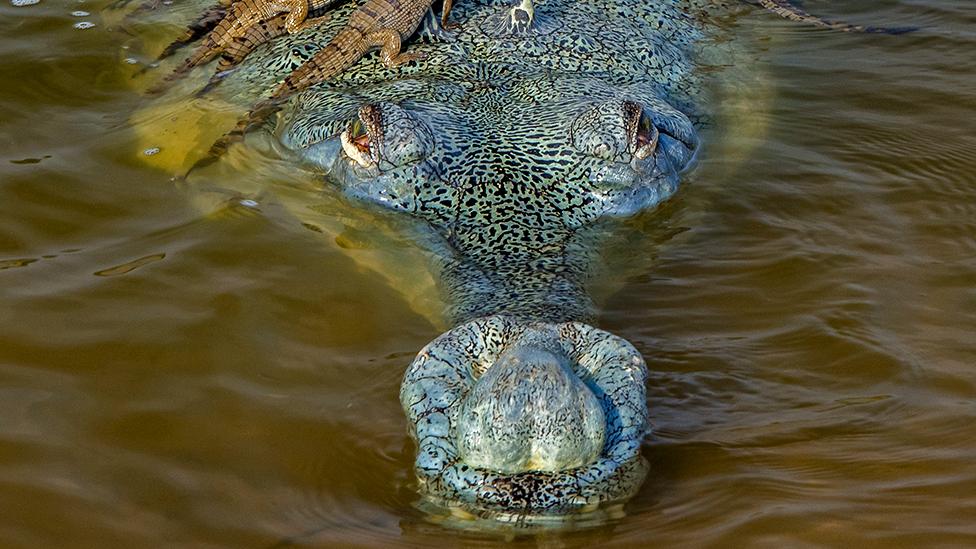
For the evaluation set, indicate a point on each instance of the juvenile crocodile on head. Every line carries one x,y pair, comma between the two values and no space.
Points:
513,141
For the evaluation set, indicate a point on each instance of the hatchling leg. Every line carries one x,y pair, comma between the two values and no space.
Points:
390,54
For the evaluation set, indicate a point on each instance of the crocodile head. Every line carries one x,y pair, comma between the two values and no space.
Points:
515,153
521,409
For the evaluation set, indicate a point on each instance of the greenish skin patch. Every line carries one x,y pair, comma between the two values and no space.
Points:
514,140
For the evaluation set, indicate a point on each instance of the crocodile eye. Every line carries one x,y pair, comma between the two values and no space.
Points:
616,131
642,135
361,139
386,136
645,138
358,136
356,144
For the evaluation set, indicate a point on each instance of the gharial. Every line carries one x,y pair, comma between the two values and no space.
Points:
514,143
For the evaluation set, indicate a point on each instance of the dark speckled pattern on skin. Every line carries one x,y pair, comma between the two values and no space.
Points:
518,165
521,141
514,140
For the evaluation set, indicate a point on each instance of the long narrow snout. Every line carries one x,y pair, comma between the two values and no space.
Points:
517,418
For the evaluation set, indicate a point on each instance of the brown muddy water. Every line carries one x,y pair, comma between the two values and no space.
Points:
177,377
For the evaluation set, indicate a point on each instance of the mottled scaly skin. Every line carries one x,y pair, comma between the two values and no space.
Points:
376,24
515,142
511,143
240,47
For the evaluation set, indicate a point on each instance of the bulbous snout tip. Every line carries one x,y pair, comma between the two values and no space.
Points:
530,411
527,418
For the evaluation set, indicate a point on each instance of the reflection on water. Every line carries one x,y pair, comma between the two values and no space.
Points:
807,311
